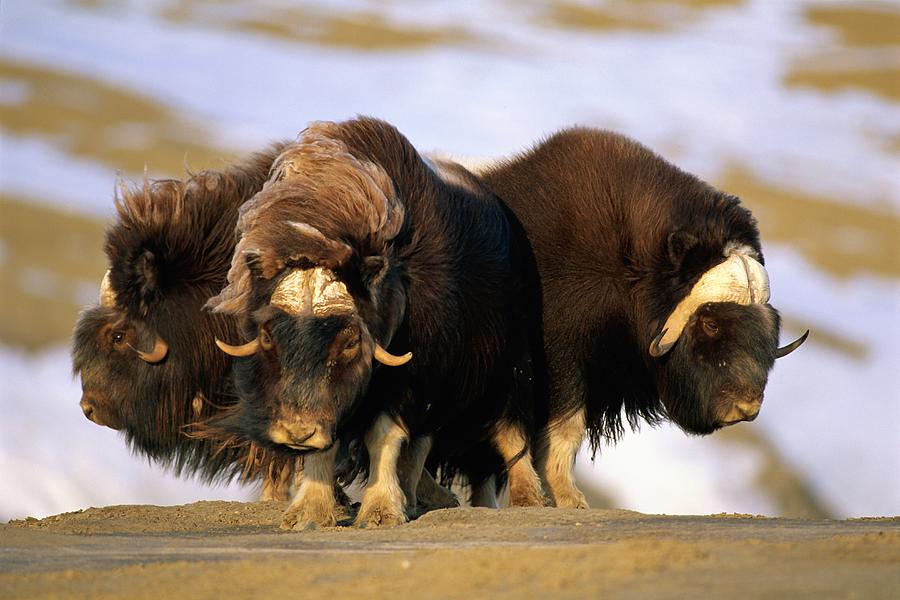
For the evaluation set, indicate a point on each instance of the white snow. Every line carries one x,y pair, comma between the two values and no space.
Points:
54,460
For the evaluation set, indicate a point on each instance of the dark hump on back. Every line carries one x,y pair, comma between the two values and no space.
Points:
380,142
608,202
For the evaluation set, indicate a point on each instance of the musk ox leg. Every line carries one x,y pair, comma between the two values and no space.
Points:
422,492
343,505
314,505
296,476
430,495
409,468
288,491
383,502
484,494
524,483
281,483
556,460
340,496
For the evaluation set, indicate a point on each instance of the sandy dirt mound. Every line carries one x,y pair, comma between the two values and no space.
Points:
211,549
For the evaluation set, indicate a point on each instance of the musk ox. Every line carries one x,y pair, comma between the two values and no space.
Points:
356,246
654,294
145,355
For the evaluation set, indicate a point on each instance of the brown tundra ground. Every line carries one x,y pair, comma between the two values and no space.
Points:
235,550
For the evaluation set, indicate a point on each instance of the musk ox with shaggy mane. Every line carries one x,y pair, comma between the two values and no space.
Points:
356,252
655,299
145,355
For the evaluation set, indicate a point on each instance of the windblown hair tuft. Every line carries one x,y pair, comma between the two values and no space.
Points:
321,206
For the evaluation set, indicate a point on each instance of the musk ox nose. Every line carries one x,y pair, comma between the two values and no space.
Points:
88,408
749,410
742,410
98,410
301,437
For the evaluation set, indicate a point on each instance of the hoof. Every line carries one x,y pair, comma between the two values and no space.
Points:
380,517
526,497
437,498
305,516
572,500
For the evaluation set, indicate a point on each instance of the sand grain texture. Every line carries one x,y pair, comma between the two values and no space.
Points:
232,549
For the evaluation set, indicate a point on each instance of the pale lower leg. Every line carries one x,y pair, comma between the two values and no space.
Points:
556,460
383,499
524,483
313,504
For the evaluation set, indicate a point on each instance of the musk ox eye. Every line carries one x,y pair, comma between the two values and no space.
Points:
347,345
710,327
118,338
352,343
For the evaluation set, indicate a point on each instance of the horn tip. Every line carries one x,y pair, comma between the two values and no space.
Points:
656,348
785,350
391,360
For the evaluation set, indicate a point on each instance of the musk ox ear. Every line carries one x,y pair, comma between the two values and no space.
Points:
147,273
680,243
373,270
139,282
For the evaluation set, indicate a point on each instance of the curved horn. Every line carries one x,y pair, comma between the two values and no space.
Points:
740,279
386,358
242,350
107,295
785,350
159,352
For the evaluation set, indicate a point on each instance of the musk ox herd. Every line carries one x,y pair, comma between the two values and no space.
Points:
342,308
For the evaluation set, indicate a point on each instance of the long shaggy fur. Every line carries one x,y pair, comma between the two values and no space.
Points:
434,268
169,250
357,196
620,236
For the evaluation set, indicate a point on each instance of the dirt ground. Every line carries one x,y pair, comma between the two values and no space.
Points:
234,550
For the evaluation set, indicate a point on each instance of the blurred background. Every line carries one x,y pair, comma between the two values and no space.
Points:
794,106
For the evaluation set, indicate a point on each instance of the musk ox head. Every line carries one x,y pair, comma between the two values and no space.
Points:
151,372
107,354
318,288
717,346
145,354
